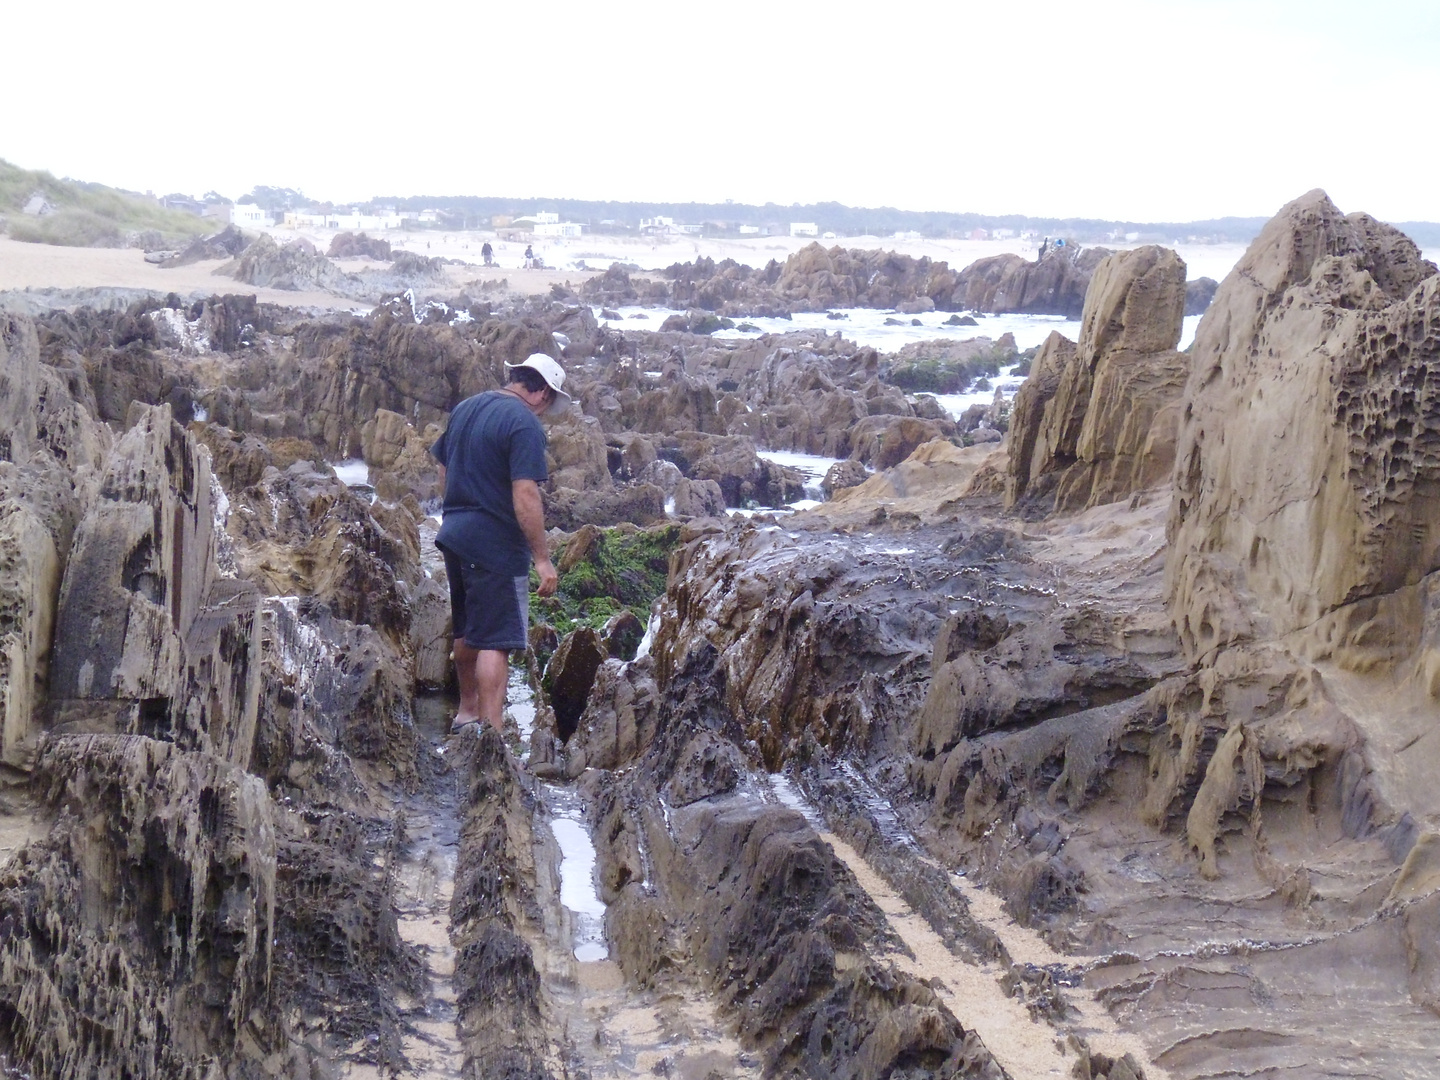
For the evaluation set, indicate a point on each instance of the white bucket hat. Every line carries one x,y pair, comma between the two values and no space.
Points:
554,376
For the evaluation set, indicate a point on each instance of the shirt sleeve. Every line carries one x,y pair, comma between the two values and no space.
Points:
527,452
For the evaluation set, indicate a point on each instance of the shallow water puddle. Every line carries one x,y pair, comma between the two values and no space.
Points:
520,704
577,873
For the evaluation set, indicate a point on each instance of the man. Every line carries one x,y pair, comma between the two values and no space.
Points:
492,461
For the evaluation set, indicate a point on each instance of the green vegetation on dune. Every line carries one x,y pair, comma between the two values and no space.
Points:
88,215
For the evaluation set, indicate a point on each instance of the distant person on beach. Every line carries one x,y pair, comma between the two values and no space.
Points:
492,461
1044,246
529,257
487,253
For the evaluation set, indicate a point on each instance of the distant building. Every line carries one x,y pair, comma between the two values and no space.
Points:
501,221
654,226
566,230
749,230
545,218
249,214
828,236
979,234
177,201
804,228
351,222
1001,234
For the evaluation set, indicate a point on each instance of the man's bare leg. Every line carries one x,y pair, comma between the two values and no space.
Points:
484,675
467,672
493,672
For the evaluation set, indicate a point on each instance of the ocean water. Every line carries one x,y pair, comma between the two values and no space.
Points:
866,326
812,466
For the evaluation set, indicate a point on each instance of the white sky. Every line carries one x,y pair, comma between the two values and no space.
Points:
1133,109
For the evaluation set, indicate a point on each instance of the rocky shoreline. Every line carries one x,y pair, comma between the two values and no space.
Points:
1083,736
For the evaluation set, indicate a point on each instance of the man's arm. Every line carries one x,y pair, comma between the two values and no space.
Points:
530,512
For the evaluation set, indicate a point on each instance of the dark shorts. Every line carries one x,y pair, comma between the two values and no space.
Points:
488,610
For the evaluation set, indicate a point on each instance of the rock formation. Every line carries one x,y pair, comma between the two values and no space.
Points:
1096,421
1075,755
1303,474
816,278
297,266
348,245
1055,285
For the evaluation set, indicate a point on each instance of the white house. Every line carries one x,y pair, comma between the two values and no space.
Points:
250,215
804,228
749,230
566,230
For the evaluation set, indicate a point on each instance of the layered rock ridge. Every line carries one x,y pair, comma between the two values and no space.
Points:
1096,420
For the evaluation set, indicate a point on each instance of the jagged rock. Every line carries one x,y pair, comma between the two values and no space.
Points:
774,934
142,566
1315,507
1029,446
431,633
698,498
621,635
334,694
348,245
792,401
619,718
665,475
1055,285
570,674
615,288
302,531
638,504
578,454
842,475
390,362
883,441
1198,294
1096,421
399,458
180,849
226,244
49,453
297,266
502,1022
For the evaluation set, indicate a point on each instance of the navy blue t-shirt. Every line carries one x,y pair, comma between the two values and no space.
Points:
492,439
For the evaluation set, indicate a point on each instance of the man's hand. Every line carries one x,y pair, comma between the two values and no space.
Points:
549,579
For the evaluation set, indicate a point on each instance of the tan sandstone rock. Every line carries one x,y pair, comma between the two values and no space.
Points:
1307,483
1096,422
